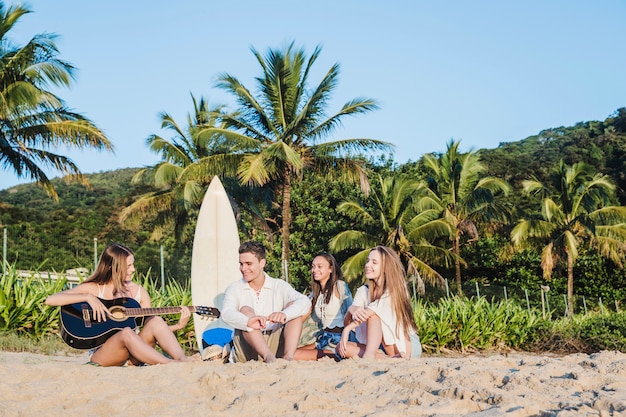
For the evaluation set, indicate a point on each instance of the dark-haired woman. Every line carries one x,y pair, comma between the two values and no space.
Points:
331,298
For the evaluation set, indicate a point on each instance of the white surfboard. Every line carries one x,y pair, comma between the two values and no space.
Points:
215,256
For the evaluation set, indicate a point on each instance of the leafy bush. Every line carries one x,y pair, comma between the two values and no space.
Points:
469,324
450,324
587,333
603,332
22,307
173,294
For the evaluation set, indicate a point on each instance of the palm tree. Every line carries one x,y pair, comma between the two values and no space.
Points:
464,196
398,215
179,186
277,136
32,119
574,209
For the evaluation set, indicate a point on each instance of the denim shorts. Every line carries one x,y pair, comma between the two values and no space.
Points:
329,341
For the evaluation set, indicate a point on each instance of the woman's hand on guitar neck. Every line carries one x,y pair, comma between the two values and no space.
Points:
185,314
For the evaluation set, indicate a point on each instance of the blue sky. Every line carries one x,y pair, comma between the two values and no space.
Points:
482,72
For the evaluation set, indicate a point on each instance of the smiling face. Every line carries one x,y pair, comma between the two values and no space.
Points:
130,268
251,269
373,267
321,270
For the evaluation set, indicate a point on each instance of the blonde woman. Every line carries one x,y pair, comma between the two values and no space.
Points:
112,280
381,314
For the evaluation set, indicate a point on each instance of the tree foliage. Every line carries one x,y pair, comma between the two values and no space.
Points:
575,208
397,213
33,121
465,196
277,135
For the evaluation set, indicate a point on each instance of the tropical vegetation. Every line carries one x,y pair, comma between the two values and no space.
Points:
177,192
453,324
277,136
501,218
34,122
398,214
464,196
49,235
575,208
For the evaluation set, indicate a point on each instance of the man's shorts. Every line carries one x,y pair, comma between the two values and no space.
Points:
244,352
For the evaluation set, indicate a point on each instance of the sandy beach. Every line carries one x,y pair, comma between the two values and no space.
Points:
477,385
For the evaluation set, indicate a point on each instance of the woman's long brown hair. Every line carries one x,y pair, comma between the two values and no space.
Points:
112,268
394,281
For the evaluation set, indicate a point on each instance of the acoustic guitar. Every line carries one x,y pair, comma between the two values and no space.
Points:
80,330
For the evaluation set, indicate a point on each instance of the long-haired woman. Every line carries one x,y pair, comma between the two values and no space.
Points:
111,280
331,298
381,314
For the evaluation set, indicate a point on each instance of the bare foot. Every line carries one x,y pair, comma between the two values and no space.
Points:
269,358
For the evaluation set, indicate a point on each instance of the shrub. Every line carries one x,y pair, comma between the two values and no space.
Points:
467,324
22,307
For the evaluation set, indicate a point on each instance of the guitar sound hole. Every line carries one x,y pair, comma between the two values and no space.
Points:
117,313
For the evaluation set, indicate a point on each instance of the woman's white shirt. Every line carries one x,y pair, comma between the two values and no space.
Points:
383,309
330,314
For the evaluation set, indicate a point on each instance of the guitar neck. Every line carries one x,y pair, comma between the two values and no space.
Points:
155,311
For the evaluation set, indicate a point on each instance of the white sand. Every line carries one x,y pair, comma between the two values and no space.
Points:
476,385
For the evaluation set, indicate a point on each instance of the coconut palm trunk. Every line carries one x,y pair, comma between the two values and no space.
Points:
457,264
570,284
286,214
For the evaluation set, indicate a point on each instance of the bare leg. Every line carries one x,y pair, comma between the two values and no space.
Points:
124,345
156,330
307,353
256,339
291,335
374,337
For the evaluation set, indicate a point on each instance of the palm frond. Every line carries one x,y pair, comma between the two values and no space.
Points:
352,268
351,239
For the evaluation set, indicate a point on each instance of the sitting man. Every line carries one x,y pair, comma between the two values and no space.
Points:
263,310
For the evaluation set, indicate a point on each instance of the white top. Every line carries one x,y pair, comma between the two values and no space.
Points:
332,314
382,308
273,297
101,290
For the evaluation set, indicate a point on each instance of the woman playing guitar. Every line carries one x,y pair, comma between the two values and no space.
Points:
112,280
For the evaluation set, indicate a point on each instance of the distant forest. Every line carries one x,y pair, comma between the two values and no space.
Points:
48,235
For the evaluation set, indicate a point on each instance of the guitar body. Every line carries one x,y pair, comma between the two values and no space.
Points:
80,330
79,335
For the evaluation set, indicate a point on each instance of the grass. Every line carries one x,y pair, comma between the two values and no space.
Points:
48,345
